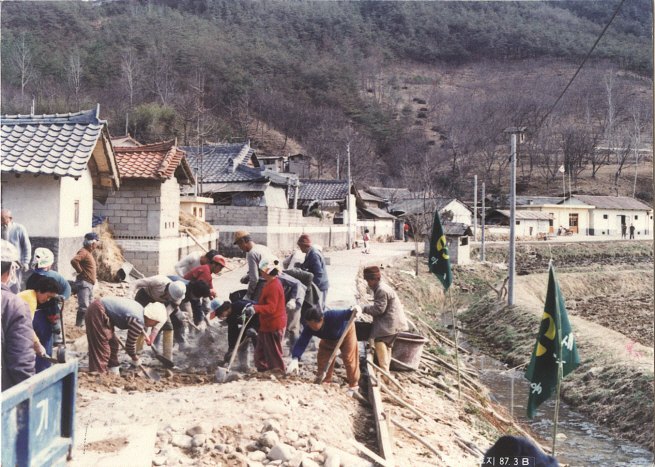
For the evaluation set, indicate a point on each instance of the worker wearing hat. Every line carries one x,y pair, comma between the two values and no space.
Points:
16,234
315,263
388,315
171,293
104,315
255,253
18,356
85,267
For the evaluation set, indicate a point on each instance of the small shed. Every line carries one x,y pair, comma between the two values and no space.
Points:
528,223
457,239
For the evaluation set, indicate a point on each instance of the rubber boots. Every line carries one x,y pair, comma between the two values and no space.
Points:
79,320
168,344
242,355
384,358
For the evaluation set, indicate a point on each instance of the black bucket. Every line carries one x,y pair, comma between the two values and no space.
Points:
407,349
363,330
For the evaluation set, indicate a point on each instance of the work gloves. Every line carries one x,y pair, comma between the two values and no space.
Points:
248,312
292,367
25,267
291,305
357,310
245,279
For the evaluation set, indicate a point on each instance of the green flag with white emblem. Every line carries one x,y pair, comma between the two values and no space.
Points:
555,344
439,263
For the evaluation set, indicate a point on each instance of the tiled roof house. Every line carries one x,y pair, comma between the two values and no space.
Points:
52,168
146,209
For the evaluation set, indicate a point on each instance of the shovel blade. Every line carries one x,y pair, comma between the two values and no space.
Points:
164,361
221,375
150,373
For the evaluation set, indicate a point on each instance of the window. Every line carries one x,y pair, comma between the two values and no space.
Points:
195,211
604,216
76,212
200,211
518,222
636,217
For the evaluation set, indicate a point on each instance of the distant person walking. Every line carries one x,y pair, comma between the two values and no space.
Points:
315,263
406,231
16,234
367,242
85,267
632,232
624,229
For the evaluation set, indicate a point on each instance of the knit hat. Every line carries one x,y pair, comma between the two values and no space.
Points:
215,304
304,240
9,252
269,264
372,272
177,290
43,258
239,234
156,311
220,259
92,236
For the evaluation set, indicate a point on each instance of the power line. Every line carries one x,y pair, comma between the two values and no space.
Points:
581,65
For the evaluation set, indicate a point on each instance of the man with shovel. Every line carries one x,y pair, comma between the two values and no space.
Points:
108,312
329,326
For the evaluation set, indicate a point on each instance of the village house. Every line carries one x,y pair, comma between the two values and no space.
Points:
53,166
597,215
372,215
528,223
145,213
457,240
456,211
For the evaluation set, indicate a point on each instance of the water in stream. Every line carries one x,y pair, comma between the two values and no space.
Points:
580,443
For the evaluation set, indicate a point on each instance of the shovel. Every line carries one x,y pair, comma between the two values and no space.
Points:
51,359
319,379
221,374
149,372
165,361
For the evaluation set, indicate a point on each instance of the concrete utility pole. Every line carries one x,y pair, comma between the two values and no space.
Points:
475,208
482,225
512,213
350,240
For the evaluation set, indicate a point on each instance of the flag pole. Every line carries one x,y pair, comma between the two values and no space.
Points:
452,311
559,367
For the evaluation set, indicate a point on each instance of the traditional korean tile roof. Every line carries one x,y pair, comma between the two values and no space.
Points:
335,190
223,162
419,205
391,194
158,161
537,200
377,213
457,229
612,202
59,144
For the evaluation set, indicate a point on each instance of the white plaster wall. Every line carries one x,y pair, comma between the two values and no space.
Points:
461,213
34,202
71,190
613,222
170,208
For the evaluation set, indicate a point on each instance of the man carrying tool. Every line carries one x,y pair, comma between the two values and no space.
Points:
16,234
171,293
315,263
85,267
388,316
255,253
193,260
41,265
46,289
17,332
233,315
108,312
329,326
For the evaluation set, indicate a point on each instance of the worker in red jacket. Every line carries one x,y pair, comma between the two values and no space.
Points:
272,318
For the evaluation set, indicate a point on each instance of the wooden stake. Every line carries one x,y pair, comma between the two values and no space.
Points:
459,377
417,437
388,375
370,453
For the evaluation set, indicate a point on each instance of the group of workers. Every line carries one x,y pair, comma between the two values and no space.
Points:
279,298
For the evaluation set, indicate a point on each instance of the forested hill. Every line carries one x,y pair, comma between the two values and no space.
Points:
221,68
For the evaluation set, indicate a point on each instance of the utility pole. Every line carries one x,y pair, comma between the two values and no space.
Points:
350,240
482,226
512,214
475,208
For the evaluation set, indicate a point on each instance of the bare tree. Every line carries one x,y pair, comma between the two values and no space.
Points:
21,58
75,75
577,146
130,74
164,82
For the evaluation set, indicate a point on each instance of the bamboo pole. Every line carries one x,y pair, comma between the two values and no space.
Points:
459,377
388,375
359,446
418,438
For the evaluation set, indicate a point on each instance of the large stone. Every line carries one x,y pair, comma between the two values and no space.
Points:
269,439
198,440
306,462
296,459
159,460
281,452
332,461
257,456
316,445
182,441
200,429
271,425
346,458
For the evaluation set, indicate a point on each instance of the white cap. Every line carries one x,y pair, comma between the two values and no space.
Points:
43,258
156,311
9,252
177,290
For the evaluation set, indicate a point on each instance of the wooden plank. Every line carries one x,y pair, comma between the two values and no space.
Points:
382,429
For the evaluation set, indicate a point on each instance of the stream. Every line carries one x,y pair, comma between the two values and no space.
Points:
580,442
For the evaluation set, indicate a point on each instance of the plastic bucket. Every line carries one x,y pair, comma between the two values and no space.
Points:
407,348
363,330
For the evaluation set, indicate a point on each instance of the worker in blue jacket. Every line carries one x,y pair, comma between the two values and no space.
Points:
315,263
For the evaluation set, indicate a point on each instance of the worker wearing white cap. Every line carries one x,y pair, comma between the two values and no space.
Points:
171,293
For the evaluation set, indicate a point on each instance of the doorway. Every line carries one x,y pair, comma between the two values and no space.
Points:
573,222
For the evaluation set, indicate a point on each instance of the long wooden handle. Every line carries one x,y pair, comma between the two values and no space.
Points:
319,378
236,348
196,240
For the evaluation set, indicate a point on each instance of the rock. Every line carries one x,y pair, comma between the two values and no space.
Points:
271,425
269,439
560,436
221,447
257,456
252,447
332,461
296,459
315,445
292,436
306,462
159,460
277,462
198,440
200,429
116,390
592,373
300,444
348,459
276,408
182,441
282,452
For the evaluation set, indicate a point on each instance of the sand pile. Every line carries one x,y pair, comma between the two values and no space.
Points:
194,225
108,255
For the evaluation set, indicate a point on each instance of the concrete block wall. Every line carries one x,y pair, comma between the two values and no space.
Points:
170,208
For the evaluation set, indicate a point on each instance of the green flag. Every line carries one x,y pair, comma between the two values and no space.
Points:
439,263
554,342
